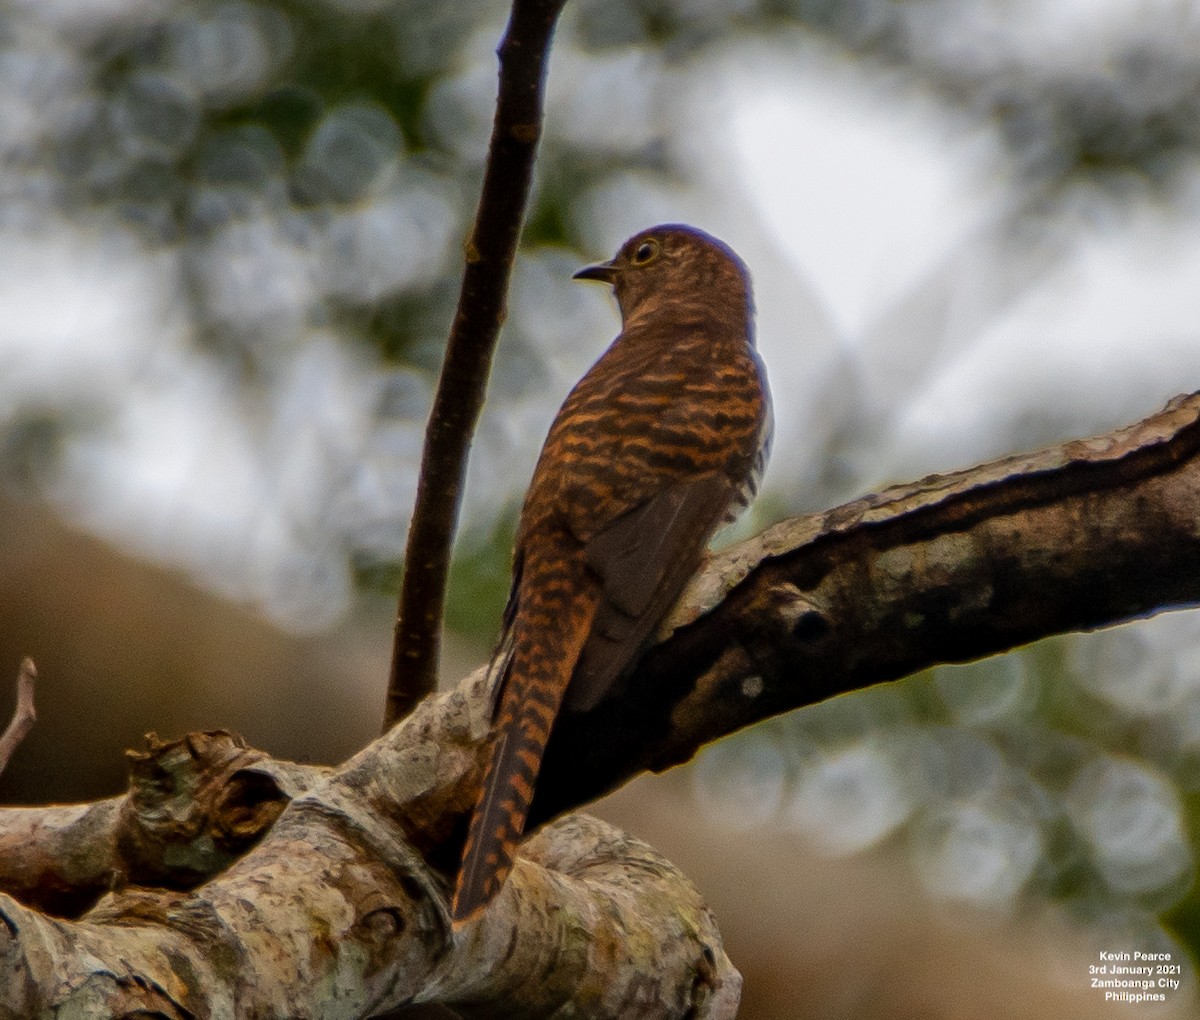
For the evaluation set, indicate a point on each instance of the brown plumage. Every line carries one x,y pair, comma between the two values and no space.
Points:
657,446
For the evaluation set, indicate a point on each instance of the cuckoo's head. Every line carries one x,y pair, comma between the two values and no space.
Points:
674,269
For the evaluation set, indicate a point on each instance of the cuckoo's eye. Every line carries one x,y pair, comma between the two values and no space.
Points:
645,252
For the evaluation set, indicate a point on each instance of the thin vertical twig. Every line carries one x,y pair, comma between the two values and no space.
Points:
459,398
24,715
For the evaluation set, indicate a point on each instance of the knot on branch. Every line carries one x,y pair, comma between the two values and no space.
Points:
196,804
801,616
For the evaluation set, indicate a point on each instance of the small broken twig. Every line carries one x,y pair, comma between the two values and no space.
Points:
24,715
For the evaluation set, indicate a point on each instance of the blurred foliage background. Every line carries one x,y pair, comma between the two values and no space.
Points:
229,251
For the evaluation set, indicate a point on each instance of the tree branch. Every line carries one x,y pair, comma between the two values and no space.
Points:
947,569
459,397
24,714
346,895
339,901
194,806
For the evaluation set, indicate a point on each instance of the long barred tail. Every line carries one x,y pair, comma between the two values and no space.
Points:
550,629
499,818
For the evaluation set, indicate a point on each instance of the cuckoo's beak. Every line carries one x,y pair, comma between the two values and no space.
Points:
605,272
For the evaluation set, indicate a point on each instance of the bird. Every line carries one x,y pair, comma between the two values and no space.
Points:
661,443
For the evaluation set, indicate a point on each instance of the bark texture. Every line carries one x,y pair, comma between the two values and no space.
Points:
338,912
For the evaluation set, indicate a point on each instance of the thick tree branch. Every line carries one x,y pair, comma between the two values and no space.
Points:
947,569
459,397
596,896
340,903
194,806
346,894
